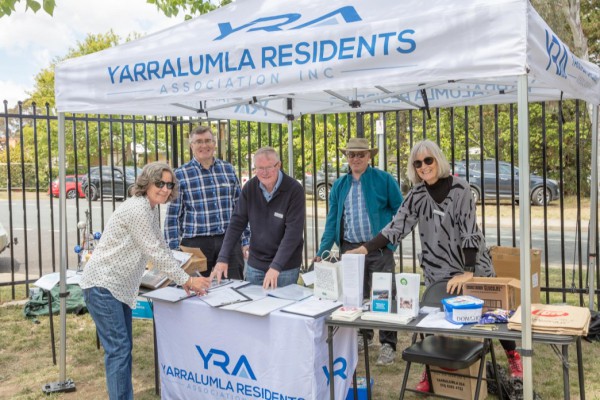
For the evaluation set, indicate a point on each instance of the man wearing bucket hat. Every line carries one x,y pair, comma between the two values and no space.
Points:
361,203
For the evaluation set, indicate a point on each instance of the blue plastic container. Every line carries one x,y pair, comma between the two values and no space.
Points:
463,309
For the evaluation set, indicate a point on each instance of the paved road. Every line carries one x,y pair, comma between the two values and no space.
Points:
39,256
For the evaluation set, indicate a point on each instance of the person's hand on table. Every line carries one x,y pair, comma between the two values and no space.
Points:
456,283
317,259
358,250
198,285
271,279
219,271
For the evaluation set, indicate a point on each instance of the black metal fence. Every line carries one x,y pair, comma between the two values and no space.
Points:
473,138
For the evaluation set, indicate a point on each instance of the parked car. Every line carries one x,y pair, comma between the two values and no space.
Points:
4,242
73,186
324,186
503,178
122,182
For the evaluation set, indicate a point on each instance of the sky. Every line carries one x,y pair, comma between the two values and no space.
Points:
30,41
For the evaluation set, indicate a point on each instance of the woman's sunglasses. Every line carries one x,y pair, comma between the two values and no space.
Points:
419,163
162,184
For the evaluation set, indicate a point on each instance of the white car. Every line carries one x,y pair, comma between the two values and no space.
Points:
4,243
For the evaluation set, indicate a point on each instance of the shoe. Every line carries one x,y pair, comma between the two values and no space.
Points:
423,385
514,364
361,343
387,355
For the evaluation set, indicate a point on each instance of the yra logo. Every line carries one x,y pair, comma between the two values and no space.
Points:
557,55
339,368
288,21
220,359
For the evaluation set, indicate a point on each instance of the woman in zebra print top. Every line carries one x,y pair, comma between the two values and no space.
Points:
452,245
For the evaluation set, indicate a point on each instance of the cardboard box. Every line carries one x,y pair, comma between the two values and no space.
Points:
507,264
458,387
361,387
502,293
197,262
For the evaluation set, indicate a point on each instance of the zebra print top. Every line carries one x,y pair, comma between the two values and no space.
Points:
445,229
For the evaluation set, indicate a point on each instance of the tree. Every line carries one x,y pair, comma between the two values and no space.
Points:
170,8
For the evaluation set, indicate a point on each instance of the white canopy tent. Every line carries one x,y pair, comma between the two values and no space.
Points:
273,61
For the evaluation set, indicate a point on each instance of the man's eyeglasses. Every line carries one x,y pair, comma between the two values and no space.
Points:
265,169
162,184
201,142
419,163
361,154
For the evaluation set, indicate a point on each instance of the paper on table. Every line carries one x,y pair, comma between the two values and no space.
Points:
291,292
308,278
169,293
224,297
312,307
264,306
48,281
437,320
181,256
254,292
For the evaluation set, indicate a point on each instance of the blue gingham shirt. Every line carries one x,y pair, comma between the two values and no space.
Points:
357,228
205,202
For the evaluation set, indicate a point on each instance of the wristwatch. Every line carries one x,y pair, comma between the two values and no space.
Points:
469,268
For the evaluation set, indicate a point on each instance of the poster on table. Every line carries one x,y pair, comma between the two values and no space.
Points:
209,353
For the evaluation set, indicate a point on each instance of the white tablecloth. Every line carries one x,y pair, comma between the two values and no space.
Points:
209,353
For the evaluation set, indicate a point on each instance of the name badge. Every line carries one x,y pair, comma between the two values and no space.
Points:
278,215
440,213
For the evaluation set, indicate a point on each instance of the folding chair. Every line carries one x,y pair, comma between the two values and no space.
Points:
445,352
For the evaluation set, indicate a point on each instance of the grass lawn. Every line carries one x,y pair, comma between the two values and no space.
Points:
26,361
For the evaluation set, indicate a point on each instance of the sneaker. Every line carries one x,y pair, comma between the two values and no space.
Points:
386,355
361,343
423,385
514,364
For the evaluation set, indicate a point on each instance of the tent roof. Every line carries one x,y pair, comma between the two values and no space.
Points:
244,61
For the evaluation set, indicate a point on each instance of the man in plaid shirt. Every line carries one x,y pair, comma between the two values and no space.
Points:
208,192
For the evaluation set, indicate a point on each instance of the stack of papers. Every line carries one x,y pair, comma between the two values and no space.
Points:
347,313
386,317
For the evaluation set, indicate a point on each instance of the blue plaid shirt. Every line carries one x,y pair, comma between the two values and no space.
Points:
205,202
357,228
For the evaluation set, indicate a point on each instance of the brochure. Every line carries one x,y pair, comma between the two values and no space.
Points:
352,277
381,292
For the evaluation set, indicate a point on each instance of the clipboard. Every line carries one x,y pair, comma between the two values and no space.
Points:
224,297
169,294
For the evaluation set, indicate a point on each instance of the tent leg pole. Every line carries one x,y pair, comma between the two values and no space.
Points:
525,237
63,385
592,256
290,119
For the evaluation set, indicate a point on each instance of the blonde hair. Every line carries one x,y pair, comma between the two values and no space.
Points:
432,149
153,173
